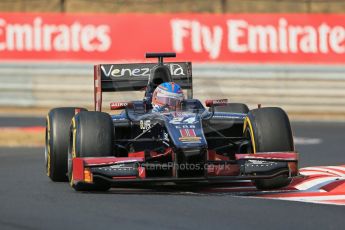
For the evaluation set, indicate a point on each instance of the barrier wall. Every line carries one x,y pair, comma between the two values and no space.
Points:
300,90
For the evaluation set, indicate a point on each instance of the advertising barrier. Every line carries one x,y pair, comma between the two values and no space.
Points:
235,38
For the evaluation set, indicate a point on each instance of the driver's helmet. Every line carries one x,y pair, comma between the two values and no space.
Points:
167,97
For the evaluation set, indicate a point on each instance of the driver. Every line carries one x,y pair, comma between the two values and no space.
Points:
167,97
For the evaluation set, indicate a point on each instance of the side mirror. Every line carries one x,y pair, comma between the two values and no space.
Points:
218,102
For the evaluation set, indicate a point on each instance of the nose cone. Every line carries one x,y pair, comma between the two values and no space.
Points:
186,131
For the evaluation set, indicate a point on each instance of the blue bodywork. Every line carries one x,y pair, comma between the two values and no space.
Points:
185,128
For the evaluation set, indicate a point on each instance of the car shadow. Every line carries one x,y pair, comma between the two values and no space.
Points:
186,190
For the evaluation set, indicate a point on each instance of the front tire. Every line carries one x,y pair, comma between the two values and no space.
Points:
270,131
56,142
91,135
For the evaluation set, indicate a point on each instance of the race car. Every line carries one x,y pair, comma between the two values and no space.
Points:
215,142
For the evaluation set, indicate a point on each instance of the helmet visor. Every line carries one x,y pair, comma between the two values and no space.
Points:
172,102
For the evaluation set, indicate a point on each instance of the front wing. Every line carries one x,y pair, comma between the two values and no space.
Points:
132,170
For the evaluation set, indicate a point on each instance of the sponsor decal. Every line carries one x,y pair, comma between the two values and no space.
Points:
184,120
244,35
118,105
176,120
257,162
220,101
185,126
145,124
188,135
117,71
224,115
217,102
120,72
240,38
190,139
36,34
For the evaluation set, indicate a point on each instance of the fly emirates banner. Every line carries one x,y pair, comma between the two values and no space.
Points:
235,38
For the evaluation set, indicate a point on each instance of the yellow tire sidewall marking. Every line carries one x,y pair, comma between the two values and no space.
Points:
247,123
74,155
48,146
74,138
71,181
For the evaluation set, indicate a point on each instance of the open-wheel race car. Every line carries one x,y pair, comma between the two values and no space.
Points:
190,144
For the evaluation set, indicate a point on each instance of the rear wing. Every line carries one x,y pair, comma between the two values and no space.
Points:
133,77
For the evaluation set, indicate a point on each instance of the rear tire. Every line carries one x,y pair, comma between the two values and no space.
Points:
56,142
270,131
91,135
232,108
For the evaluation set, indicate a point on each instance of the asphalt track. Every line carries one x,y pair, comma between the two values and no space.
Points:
29,200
